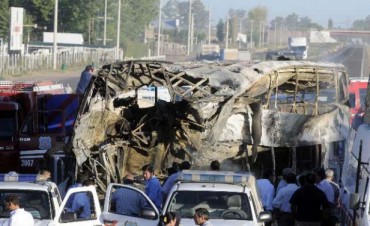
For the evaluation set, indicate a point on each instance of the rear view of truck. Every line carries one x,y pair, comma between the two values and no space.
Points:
209,52
298,45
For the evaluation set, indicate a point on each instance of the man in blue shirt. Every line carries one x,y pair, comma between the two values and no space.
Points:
281,201
85,79
167,186
81,202
128,201
153,188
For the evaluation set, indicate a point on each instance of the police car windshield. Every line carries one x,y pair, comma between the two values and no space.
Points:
220,204
35,202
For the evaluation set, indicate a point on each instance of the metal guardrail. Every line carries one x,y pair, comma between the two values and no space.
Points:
16,64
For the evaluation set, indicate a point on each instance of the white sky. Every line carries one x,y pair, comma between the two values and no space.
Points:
342,12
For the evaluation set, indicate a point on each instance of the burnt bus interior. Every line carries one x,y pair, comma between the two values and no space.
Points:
306,92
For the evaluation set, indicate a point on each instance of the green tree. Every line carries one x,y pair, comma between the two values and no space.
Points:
362,24
220,31
256,16
330,24
40,11
4,19
171,9
237,21
258,13
291,21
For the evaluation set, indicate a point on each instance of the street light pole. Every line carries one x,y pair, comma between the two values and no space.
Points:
227,33
118,29
192,33
55,47
159,28
251,41
105,24
189,28
209,24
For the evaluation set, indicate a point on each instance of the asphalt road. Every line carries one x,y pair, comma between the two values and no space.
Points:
354,58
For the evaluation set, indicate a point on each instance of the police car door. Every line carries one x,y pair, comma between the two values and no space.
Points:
79,207
147,216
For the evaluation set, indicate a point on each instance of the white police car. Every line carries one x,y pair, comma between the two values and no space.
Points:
41,199
231,198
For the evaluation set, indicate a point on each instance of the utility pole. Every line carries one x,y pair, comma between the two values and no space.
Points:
55,47
240,32
227,34
159,29
275,34
251,41
192,33
118,29
209,24
281,34
105,24
189,27
263,34
260,34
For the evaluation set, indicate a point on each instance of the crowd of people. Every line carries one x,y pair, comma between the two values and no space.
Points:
309,199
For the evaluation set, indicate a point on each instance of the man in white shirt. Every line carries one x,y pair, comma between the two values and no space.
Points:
334,207
18,216
267,190
327,188
201,217
324,185
281,201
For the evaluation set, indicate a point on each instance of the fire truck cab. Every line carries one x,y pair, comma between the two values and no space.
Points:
35,126
357,94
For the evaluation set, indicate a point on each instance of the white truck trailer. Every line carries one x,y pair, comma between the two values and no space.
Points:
298,45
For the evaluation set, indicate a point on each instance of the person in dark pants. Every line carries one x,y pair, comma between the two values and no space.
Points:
85,78
308,203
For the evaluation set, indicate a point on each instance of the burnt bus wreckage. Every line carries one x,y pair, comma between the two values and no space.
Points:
139,112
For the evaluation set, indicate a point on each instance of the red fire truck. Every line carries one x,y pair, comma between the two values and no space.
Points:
36,122
357,94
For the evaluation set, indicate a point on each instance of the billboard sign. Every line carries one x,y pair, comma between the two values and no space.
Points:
16,28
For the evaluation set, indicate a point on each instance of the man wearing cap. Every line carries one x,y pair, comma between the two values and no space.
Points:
283,182
85,79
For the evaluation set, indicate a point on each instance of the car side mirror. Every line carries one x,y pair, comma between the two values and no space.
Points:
149,214
354,200
265,216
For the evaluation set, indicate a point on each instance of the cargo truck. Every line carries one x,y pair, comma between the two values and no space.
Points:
298,46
